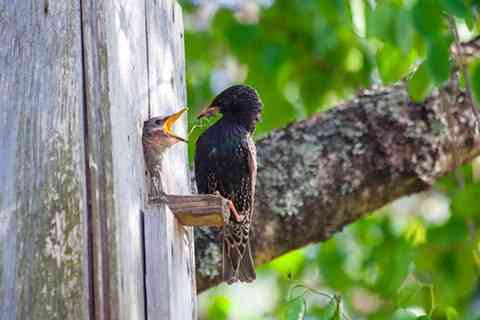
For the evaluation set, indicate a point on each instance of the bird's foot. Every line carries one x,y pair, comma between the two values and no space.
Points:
234,212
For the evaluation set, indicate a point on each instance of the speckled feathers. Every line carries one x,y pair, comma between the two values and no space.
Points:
225,162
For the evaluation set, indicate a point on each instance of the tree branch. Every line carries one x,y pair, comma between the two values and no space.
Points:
317,175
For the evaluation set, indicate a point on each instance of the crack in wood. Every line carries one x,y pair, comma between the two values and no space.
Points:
88,212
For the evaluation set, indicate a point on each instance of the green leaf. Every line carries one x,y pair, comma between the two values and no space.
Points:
404,31
331,311
380,22
403,314
408,291
393,65
465,202
438,61
416,232
290,263
427,18
420,84
470,20
219,308
293,310
475,80
451,313
456,8
424,317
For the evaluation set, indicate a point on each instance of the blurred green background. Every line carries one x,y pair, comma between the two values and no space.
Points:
419,258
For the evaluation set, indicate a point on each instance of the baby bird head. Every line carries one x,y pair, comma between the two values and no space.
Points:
158,133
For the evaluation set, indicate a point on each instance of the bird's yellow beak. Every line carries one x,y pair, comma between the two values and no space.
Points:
167,125
208,112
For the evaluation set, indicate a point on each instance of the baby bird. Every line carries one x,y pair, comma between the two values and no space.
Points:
157,137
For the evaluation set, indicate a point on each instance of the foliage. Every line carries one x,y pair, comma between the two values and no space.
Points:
305,56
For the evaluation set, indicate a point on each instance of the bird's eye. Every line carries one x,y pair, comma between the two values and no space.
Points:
158,122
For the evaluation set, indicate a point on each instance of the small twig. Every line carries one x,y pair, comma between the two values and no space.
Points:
307,288
199,123
432,300
335,297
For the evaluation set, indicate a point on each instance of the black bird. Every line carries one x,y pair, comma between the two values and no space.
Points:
225,163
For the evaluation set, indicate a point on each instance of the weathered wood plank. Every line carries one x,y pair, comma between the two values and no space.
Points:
158,222
43,273
170,268
117,103
199,209
44,219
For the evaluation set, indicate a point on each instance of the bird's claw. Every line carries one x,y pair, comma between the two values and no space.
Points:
159,197
239,218
233,211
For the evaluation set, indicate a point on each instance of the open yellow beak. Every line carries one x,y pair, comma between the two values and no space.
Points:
208,111
167,125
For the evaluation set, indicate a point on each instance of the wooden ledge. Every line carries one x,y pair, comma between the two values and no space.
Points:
199,209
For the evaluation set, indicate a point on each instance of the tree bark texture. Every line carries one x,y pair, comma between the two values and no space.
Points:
318,175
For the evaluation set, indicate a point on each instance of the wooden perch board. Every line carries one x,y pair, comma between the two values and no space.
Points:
198,210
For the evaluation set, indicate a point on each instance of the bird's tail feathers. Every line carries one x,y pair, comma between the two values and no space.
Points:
246,269
238,264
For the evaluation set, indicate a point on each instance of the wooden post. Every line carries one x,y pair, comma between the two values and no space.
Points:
171,290
77,80
43,234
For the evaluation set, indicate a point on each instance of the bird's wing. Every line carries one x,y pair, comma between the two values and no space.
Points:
235,173
252,171
228,168
238,261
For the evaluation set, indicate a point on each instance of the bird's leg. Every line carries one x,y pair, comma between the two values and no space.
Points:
159,196
233,210
156,188
235,213
156,193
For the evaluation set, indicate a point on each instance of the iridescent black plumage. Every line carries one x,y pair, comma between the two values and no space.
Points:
225,162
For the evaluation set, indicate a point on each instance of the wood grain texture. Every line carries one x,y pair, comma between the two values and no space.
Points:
74,92
200,209
170,271
117,105
42,189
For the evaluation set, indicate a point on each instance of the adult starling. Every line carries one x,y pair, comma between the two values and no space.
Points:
225,163
157,137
